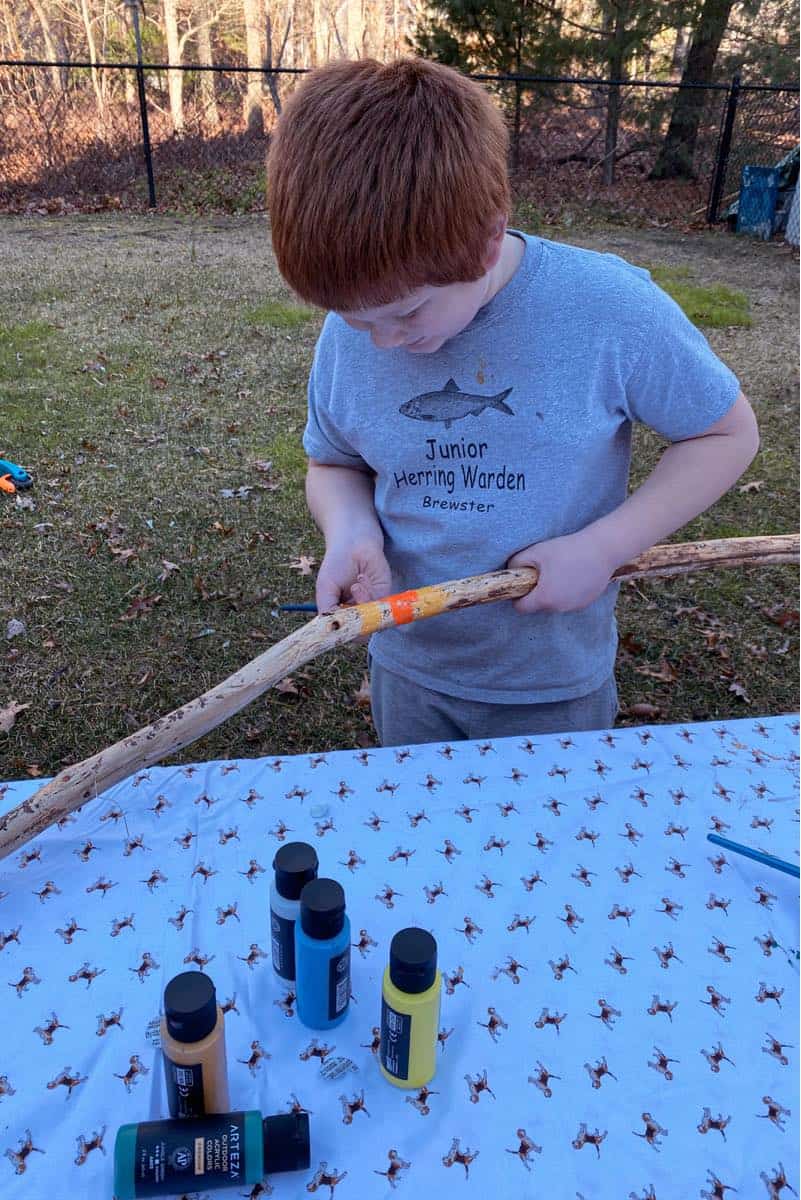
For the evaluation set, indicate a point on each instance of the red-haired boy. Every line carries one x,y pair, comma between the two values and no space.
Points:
471,403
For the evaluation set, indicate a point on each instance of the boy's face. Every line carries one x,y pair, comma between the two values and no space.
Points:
422,321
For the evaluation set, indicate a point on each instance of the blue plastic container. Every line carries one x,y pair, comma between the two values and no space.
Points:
756,211
322,955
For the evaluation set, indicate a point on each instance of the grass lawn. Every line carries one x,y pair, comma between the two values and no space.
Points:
153,380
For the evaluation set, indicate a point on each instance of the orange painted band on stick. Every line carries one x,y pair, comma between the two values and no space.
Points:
402,606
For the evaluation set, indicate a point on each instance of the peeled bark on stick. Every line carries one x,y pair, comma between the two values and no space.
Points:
76,785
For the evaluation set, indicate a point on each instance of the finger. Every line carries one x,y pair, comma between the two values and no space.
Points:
328,594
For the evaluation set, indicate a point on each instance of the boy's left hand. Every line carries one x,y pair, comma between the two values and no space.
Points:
574,571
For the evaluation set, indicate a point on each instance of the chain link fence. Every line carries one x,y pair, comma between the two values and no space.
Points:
94,136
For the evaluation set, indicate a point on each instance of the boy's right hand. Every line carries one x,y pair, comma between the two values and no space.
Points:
352,572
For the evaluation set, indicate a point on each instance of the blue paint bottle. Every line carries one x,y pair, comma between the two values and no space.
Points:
322,955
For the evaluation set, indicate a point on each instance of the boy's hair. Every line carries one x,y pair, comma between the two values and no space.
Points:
383,178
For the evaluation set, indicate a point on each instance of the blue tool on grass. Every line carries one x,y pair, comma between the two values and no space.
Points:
768,860
19,477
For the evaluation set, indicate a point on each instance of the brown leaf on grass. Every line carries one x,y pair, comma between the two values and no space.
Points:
148,675
141,607
304,563
201,589
123,556
739,691
287,687
665,672
642,710
169,567
223,530
9,714
755,485
256,635
757,651
629,643
34,770
781,616
262,466
258,537
158,382
362,698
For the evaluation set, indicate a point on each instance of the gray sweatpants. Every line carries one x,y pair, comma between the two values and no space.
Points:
405,713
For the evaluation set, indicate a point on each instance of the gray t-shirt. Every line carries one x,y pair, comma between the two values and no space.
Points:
517,430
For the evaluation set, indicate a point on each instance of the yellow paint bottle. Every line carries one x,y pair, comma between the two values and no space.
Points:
410,999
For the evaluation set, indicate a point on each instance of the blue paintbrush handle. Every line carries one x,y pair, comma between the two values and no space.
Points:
769,860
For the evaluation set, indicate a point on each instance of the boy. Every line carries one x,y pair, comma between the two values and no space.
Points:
471,402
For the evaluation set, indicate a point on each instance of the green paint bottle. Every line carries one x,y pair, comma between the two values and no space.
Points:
166,1158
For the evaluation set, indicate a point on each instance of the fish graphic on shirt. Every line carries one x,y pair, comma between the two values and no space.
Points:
450,404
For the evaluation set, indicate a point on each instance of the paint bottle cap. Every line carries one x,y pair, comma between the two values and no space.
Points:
413,960
322,908
295,864
190,1006
287,1146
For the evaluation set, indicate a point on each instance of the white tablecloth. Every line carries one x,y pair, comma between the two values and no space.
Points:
620,1012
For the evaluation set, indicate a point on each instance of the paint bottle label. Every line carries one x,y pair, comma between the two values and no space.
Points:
283,939
211,1155
338,983
396,1039
185,1089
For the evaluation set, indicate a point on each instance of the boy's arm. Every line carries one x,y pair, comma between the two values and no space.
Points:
690,476
354,568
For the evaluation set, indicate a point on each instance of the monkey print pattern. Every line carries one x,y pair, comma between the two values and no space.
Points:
586,854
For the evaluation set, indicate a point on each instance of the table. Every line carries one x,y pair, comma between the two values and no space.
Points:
619,1016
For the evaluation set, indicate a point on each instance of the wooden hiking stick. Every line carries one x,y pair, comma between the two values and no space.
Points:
171,733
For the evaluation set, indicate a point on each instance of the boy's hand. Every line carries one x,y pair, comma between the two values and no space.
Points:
352,573
574,571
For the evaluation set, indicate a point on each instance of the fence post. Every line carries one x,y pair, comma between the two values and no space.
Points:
724,146
140,82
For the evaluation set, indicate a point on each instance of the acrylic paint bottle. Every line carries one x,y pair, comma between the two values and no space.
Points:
193,1047
322,955
410,1000
167,1158
295,865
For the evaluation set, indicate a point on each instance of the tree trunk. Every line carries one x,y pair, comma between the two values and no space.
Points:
130,78
254,117
175,79
678,149
616,67
92,48
51,51
356,29
321,36
208,100
680,49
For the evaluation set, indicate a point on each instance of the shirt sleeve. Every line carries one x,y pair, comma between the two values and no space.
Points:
679,386
322,439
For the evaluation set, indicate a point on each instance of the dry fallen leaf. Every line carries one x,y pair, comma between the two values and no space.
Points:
34,770
169,567
122,556
362,697
665,672
643,710
756,485
781,616
14,628
9,714
739,691
304,564
287,686
141,607
223,530
629,643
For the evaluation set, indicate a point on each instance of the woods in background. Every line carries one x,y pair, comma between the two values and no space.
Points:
50,118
